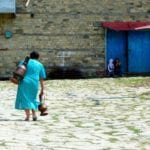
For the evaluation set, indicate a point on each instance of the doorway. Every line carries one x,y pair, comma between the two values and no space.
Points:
131,47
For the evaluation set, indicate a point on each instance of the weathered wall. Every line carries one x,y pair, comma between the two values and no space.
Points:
67,27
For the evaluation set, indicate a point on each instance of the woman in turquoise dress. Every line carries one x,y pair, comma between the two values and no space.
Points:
28,88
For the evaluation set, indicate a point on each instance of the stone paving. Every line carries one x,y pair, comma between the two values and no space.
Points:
93,114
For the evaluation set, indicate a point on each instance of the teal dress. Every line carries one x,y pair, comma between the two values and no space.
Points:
27,91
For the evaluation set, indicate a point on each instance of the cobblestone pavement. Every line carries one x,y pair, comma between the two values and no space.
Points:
94,114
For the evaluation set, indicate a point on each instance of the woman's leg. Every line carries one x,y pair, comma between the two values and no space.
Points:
34,117
27,112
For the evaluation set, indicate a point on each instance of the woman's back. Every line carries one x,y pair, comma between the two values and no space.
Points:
34,69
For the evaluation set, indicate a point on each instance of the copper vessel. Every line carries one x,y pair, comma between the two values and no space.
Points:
20,71
42,107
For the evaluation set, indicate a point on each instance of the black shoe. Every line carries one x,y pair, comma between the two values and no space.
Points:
34,118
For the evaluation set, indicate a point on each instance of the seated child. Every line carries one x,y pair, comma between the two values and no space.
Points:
110,68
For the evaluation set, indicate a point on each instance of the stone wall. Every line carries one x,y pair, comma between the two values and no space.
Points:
68,28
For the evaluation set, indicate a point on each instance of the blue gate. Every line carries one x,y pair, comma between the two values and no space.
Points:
131,47
139,51
116,47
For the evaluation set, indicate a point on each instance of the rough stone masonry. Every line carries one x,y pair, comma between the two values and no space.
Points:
66,33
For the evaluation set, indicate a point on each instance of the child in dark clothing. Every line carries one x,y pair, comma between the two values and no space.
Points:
117,67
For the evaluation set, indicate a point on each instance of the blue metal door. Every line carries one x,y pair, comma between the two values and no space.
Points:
116,47
139,51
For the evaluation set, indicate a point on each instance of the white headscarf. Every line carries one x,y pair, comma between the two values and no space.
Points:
110,65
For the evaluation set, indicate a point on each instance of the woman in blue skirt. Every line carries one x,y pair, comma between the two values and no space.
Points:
27,91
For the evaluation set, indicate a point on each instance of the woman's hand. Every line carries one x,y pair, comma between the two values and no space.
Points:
41,92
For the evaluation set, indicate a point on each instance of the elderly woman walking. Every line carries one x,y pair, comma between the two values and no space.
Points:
28,88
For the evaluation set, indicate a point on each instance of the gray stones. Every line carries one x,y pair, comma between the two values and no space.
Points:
90,114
